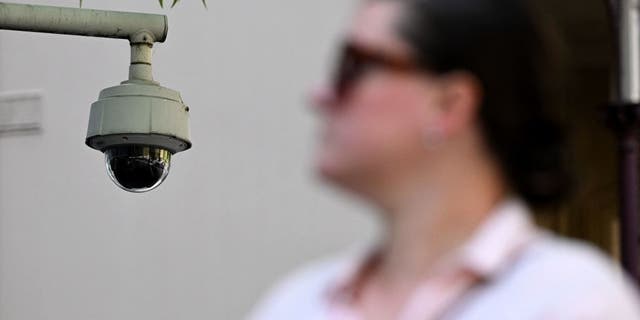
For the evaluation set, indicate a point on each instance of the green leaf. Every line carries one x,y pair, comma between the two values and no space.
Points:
161,3
80,3
174,3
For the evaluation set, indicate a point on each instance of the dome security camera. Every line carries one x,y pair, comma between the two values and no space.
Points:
139,125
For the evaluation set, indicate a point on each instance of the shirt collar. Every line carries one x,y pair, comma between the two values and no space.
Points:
496,243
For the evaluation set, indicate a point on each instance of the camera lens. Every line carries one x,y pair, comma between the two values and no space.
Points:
137,168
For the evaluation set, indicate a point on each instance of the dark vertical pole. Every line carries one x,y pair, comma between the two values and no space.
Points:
624,118
628,171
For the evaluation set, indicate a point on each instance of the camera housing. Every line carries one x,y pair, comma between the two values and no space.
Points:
139,126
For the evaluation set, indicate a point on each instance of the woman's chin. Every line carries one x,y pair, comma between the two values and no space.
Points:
329,168
337,172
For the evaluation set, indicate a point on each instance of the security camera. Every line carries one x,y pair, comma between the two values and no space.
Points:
139,126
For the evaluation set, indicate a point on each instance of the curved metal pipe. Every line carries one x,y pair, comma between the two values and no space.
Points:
82,22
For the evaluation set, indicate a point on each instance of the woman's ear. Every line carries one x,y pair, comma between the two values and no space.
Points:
461,98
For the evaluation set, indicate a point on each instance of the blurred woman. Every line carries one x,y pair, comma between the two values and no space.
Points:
436,116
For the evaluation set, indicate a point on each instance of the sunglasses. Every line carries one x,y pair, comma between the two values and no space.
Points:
355,62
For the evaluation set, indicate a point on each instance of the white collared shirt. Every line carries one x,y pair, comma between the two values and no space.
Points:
508,269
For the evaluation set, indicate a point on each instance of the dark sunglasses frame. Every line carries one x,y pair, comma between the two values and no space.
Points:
355,61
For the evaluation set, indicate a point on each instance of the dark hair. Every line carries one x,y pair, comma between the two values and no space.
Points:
498,42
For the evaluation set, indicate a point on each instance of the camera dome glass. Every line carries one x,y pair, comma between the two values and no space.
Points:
137,168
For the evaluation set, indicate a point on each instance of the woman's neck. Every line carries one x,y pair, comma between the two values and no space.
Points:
427,222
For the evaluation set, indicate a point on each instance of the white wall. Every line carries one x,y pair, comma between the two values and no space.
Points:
238,210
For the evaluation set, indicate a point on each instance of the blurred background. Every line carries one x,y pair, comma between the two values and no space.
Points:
242,208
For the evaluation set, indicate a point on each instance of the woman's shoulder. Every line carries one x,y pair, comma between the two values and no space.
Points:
565,279
303,291
570,261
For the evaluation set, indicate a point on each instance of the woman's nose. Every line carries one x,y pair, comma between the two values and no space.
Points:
322,98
